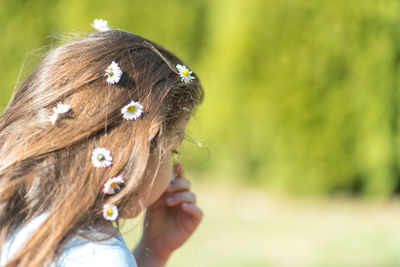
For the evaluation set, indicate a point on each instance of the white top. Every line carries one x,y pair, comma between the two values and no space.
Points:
78,252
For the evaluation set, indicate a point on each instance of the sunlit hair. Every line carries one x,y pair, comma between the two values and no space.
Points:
48,168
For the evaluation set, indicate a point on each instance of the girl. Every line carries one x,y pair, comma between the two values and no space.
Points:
86,140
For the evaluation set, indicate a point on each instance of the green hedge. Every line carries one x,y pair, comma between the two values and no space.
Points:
301,96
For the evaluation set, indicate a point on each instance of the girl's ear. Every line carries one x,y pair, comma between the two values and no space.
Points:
154,129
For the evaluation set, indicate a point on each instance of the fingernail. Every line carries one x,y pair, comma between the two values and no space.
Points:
170,200
169,188
173,177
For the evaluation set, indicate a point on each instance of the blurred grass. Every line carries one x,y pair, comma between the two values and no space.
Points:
244,226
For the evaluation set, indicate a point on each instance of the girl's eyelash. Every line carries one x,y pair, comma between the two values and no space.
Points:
175,152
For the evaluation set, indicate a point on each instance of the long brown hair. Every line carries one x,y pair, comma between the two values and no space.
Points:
48,168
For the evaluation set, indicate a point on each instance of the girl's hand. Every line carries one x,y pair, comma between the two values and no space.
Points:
170,221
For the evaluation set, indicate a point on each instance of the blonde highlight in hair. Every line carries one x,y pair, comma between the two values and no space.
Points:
48,168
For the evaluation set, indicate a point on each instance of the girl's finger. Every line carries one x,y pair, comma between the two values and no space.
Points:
180,197
180,184
193,210
178,170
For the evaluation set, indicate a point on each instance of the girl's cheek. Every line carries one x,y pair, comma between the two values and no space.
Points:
161,181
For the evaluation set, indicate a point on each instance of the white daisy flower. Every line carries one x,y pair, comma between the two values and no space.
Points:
101,25
112,185
113,73
185,73
101,157
132,111
110,212
53,118
61,108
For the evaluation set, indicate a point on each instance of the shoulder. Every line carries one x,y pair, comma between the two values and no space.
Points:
18,238
83,252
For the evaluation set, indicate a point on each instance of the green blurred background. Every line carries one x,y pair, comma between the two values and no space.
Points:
301,108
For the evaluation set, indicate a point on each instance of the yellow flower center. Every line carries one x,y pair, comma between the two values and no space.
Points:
109,212
100,157
113,184
131,109
185,72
